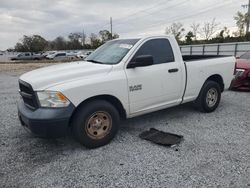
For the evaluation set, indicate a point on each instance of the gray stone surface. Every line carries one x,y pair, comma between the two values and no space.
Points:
215,151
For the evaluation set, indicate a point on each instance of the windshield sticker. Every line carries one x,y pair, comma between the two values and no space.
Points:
127,46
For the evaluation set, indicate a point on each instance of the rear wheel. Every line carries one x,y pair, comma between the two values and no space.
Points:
209,97
95,123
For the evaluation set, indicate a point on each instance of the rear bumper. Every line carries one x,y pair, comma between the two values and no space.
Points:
45,122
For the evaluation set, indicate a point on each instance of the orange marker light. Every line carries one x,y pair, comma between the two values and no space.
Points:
61,97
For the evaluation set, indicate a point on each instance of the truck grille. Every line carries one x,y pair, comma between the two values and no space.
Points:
28,95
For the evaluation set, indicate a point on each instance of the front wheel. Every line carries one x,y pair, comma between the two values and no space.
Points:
95,124
209,97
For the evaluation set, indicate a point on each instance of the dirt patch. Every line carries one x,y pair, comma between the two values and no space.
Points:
19,68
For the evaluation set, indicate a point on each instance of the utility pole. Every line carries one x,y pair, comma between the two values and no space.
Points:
248,15
83,37
111,27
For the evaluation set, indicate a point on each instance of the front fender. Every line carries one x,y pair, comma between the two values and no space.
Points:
80,90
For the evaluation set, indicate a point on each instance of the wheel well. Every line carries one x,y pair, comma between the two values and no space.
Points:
217,78
109,98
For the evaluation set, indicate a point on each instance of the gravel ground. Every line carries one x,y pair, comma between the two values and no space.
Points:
215,151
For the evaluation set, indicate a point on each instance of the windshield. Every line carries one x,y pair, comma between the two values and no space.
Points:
112,52
245,56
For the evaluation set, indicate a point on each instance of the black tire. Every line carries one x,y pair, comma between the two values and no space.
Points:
204,102
81,126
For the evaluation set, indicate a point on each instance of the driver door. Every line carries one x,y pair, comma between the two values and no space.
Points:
152,87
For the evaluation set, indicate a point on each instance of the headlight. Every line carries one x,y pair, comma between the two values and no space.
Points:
52,99
239,72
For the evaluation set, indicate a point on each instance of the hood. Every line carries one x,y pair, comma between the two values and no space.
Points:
243,64
46,77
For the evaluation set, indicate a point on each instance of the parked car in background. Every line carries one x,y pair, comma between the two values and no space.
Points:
72,55
45,54
61,56
56,56
242,73
83,55
27,56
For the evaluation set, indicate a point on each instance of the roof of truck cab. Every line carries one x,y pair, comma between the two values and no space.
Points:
144,37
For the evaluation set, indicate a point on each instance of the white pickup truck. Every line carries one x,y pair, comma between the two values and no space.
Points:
122,79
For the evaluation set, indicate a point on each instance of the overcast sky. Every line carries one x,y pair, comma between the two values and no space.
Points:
51,18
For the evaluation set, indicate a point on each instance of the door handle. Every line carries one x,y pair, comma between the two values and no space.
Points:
173,70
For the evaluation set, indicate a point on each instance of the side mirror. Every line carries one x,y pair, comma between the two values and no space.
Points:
141,61
237,57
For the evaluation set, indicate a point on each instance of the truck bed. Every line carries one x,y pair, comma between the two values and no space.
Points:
201,57
199,68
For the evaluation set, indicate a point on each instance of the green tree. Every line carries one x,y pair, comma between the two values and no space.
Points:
241,22
34,43
75,40
115,36
177,30
105,35
223,34
189,37
10,50
95,42
58,44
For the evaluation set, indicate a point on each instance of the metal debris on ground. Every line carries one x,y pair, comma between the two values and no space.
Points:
161,138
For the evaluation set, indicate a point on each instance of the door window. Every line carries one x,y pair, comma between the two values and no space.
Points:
160,49
61,54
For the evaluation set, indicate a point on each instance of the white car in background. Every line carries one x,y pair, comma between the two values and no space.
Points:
83,55
45,54
60,56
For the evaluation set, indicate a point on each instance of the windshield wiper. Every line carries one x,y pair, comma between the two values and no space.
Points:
94,61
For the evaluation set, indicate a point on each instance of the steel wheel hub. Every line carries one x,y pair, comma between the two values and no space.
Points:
98,125
212,97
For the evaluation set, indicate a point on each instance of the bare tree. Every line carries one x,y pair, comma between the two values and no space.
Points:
195,29
209,29
176,29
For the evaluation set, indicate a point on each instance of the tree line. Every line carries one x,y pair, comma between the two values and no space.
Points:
207,32
74,41
211,32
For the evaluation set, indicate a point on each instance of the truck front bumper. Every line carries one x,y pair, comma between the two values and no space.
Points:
46,122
